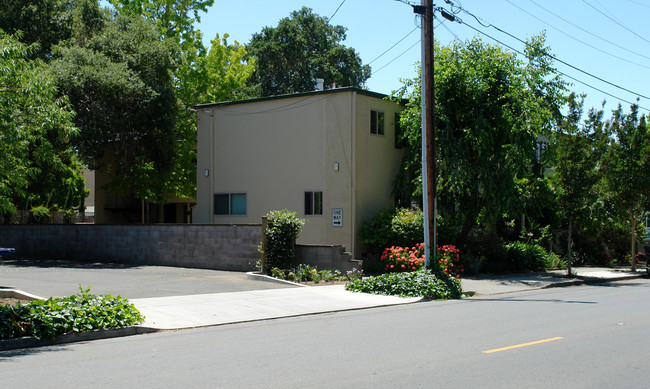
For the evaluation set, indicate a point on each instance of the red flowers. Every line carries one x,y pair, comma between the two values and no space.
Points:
412,258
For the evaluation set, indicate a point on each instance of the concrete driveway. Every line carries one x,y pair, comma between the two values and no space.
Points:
62,278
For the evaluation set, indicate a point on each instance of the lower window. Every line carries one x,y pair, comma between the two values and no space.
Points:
230,204
313,203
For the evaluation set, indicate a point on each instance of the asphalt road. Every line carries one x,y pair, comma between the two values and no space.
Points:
577,337
63,278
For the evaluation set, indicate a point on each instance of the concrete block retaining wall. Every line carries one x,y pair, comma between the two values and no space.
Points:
221,247
205,246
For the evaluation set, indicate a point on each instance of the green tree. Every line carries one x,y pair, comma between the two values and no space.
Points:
120,83
302,48
574,172
490,109
174,18
199,75
625,167
48,22
37,162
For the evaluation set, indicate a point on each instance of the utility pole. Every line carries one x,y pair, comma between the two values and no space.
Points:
429,146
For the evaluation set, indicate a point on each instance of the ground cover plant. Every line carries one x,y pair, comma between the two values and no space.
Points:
418,283
78,313
306,273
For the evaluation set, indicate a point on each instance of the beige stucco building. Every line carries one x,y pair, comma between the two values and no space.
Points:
331,156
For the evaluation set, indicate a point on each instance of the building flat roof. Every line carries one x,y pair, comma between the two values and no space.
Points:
294,95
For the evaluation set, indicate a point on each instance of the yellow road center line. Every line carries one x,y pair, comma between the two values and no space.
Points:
496,350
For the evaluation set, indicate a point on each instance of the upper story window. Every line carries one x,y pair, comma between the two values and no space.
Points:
313,203
376,122
230,204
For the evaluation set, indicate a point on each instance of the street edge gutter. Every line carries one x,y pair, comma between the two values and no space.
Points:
585,280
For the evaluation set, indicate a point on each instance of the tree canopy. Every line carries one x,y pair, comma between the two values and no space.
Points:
302,48
490,109
120,83
37,162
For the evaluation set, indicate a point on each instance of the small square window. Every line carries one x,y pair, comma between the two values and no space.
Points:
313,203
377,122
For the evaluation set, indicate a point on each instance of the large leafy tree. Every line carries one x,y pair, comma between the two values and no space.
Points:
37,162
490,109
625,167
120,84
302,48
199,74
48,22
574,174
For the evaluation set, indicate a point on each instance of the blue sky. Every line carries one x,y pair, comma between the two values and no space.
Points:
610,40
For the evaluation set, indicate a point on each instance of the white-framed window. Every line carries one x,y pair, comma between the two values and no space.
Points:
313,203
377,122
230,204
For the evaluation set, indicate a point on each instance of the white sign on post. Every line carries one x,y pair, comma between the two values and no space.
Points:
337,217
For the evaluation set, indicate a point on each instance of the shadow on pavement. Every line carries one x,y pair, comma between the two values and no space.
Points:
7,355
64,264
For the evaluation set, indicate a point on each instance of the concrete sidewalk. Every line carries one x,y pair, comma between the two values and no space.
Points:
236,307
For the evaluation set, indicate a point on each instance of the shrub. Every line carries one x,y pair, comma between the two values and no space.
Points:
554,261
488,249
420,283
524,257
393,227
41,215
400,259
407,226
78,313
377,231
70,216
282,229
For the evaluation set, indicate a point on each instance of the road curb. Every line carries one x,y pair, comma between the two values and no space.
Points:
252,275
31,342
19,294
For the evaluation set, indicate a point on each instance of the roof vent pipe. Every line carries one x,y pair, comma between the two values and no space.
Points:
320,84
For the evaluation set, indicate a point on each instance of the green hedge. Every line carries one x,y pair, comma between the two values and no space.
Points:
524,257
282,229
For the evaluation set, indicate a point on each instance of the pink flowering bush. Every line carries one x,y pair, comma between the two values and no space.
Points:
402,259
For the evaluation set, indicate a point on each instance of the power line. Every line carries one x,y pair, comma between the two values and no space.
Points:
555,58
578,27
562,73
576,39
394,59
639,3
390,48
614,20
337,10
